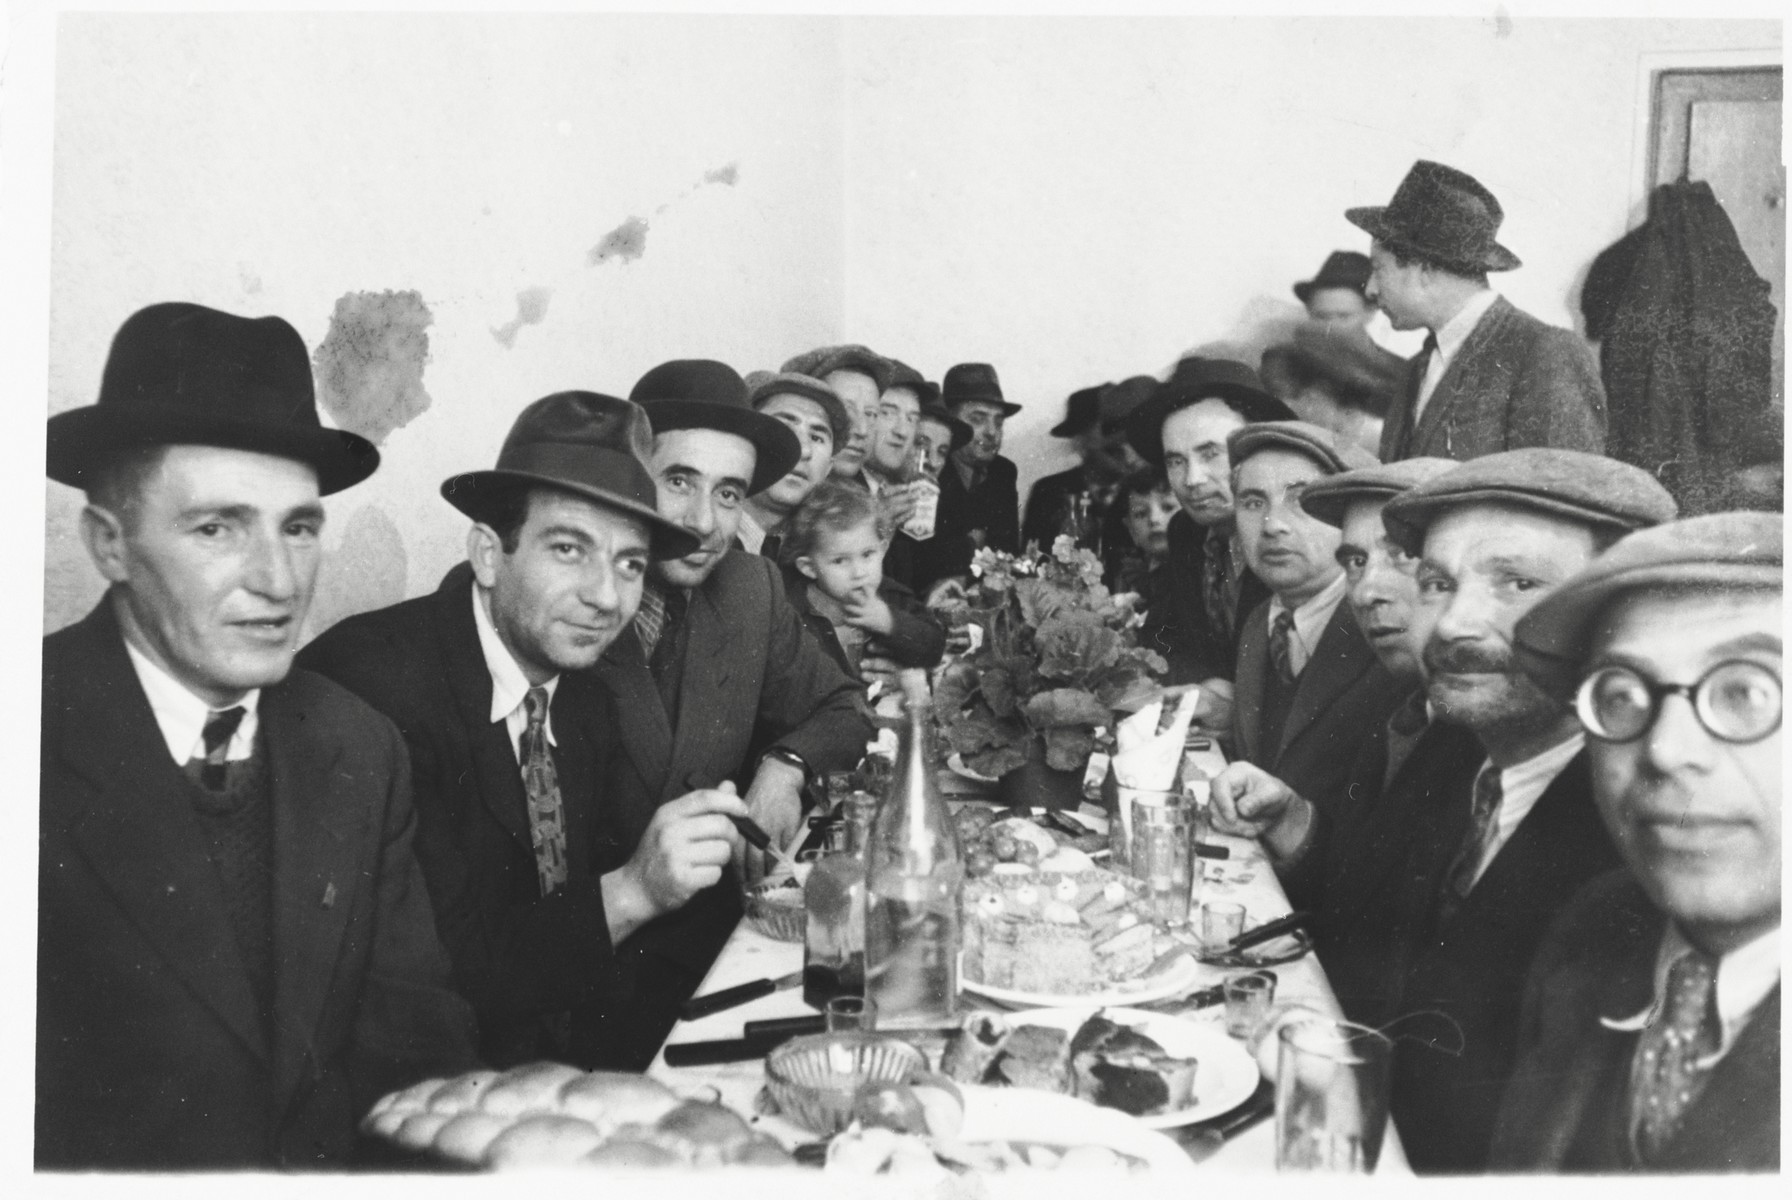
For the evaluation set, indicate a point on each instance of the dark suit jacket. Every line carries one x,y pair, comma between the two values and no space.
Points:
993,506
150,1052
1342,698
1515,382
1566,1107
518,957
1179,630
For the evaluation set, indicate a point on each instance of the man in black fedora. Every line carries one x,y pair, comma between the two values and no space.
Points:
720,682
1335,297
979,489
236,955
542,851
1095,423
1490,377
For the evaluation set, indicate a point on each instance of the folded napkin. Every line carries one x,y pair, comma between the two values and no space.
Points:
1146,760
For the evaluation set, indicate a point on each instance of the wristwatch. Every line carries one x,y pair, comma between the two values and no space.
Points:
786,755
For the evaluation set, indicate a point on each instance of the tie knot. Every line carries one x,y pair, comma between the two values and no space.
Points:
1691,984
1284,623
536,702
220,727
1488,790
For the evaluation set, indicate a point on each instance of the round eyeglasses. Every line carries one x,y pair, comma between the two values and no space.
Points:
1735,701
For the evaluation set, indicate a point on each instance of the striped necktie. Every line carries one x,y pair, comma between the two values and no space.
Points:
1460,879
541,784
220,727
1675,1054
1281,654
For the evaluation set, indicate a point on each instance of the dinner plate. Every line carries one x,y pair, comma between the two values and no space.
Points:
1227,1074
1026,1115
1180,975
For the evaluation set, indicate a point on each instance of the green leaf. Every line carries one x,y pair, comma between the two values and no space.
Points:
1066,706
1076,649
998,692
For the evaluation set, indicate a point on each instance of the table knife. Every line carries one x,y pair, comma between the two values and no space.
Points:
740,993
1269,930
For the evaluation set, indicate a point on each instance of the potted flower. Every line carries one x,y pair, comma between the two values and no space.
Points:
1037,692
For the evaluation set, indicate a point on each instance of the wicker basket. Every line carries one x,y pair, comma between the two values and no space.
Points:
813,1079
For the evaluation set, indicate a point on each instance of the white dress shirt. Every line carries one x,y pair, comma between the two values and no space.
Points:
181,716
751,533
1521,786
1449,341
510,687
1310,620
1745,977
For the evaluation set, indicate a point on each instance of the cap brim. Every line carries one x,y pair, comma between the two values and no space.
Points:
473,491
775,445
1330,505
1408,516
76,442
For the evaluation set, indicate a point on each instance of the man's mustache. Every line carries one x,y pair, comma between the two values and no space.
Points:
1466,658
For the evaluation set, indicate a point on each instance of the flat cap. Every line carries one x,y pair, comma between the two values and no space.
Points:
822,361
1315,441
1589,488
1327,498
763,385
1720,552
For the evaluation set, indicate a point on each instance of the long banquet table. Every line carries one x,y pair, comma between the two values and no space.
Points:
1244,877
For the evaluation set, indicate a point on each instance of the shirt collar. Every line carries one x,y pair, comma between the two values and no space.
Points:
1537,772
510,687
1457,328
1311,616
1745,977
181,716
751,533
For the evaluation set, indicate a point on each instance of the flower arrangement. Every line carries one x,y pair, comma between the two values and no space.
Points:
1058,654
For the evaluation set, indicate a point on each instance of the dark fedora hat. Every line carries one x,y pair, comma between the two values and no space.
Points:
824,360
701,393
1081,411
1194,380
1120,400
1341,269
591,445
965,382
1441,214
183,374
763,385
933,410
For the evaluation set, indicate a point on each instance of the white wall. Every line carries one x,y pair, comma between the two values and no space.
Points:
1071,199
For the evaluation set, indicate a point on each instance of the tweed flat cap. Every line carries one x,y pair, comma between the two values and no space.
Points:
1315,441
823,360
763,385
1720,552
1589,488
1327,499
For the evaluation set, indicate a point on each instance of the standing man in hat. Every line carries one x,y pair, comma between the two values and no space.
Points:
720,681
1309,688
1440,926
1490,377
542,851
1335,297
858,377
1095,422
235,950
820,422
979,490
1182,428
1651,1033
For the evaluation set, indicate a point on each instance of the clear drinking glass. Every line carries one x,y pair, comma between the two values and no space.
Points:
1247,1002
1221,921
1120,824
851,1014
1331,1097
1163,854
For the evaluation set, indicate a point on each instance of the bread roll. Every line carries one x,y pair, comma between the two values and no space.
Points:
461,1094
610,1098
467,1136
526,1088
625,1152
542,1140
419,1130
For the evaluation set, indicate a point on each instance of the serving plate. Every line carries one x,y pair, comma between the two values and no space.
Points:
1025,1115
1180,975
1227,1074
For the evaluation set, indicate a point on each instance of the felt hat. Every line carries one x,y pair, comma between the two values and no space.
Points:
1318,443
763,385
966,382
591,445
820,362
184,374
1595,491
1196,379
1715,553
1442,214
1119,401
1328,498
1081,410
933,410
701,393
1341,269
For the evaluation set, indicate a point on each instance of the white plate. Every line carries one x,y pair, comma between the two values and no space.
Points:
955,764
1025,1115
1227,1074
1178,976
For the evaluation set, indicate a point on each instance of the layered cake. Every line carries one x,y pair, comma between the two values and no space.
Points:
1062,933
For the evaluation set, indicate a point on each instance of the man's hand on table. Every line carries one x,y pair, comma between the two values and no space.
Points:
775,801
683,851
1248,801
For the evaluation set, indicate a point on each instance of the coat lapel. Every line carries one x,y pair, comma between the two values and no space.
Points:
500,782
645,730
701,688
139,833
1338,661
1459,378
1247,688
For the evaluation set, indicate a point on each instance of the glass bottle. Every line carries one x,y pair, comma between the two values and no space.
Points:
834,933
914,877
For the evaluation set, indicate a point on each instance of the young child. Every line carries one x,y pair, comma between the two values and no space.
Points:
833,554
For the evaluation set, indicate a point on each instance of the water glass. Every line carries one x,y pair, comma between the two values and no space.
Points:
1331,1097
1120,823
1221,921
1163,855
1248,998
851,1014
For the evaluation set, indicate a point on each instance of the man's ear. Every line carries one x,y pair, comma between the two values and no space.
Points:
806,566
103,534
484,548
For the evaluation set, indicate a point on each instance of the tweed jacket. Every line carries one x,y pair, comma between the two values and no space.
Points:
1514,382
150,1052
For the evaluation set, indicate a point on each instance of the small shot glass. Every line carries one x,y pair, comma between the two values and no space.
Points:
850,1014
1221,921
1248,998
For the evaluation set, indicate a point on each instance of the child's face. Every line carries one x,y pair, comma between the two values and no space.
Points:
847,564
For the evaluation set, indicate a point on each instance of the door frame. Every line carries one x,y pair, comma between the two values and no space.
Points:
1649,63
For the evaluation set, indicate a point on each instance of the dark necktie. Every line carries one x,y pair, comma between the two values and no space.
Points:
541,783
1673,1053
1216,585
1461,875
220,727
1281,656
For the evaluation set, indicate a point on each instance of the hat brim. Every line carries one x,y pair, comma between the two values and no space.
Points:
776,447
1408,516
472,492
1068,428
1373,221
1145,425
958,402
839,420
79,440
1330,504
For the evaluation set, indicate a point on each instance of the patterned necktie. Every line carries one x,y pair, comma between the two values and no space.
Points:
1673,1054
1216,566
1461,876
219,729
650,619
1281,655
541,783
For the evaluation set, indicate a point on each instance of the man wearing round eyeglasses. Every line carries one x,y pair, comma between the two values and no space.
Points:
1651,1026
